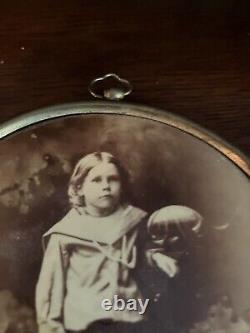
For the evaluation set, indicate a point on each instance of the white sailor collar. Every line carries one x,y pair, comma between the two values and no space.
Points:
106,229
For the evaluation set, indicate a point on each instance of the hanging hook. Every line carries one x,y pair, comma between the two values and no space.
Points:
112,87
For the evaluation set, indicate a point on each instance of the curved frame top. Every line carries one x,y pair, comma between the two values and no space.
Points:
132,110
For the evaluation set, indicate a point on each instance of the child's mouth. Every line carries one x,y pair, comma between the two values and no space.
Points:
106,196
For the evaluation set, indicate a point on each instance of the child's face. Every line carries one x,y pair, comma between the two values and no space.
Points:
101,189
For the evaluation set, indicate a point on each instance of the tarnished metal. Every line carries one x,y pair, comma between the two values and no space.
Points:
130,110
115,91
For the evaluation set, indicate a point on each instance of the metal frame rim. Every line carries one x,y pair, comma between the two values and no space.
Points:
127,109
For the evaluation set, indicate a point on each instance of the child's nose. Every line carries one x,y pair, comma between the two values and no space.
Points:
105,184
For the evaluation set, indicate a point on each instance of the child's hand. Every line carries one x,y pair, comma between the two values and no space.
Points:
166,264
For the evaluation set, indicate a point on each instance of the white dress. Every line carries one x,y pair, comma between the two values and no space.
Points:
88,259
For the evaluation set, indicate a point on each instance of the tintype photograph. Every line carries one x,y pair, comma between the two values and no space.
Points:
112,223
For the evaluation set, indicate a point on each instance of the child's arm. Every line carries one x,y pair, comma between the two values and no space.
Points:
156,256
167,264
51,287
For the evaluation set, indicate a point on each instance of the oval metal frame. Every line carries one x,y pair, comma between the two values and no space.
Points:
132,110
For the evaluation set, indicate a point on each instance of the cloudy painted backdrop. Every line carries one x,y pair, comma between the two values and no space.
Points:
166,167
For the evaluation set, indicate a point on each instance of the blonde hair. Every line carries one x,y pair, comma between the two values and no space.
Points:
81,170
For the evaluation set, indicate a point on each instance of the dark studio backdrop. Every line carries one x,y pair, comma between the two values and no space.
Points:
188,57
166,166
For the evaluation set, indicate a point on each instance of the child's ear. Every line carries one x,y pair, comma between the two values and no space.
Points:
79,190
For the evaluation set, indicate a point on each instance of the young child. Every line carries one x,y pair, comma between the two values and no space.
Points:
92,253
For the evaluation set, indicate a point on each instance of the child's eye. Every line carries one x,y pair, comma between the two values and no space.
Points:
96,180
114,179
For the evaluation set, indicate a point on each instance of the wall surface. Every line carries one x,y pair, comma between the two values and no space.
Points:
191,58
